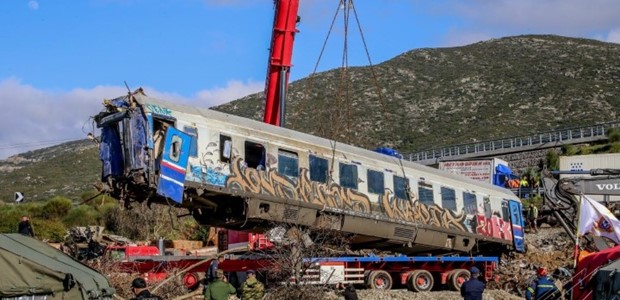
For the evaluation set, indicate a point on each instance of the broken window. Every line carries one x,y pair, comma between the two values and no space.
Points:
175,148
375,181
470,205
348,176
225,148
505,211
487,207
193,133
448,198
318,169
400,187
288,163
425,191
254,155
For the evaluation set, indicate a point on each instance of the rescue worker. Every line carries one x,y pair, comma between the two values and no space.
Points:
532,216
542,288
473,288
24,227
215,264
219,289
348,291
141,292
252,289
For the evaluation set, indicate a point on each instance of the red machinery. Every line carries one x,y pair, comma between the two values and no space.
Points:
276,83
280,55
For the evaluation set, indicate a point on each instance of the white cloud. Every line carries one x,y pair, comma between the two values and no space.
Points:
233,90
613,36
499,18
34,118
34,5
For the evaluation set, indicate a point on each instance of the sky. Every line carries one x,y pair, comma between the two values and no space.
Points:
60,58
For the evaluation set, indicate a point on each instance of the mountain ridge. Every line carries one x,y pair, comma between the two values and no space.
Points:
421,99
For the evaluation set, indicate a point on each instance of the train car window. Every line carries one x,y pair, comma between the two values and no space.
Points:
425,191
193,147
318,169
175,148
469,203
348,176
254,155
288,163
487,207
400,187
448,198
376,182
505,211
225,148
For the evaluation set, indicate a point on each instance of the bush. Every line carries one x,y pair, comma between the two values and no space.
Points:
552,160
82,215
613,135
50,230
56,208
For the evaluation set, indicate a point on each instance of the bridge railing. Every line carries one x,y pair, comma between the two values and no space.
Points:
586,132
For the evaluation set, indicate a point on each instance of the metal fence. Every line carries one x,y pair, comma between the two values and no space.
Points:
515,144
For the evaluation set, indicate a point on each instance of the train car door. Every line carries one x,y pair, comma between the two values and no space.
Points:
516,219
174,164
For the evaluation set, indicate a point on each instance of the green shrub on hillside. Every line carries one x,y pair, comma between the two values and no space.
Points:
50,230
613,135
56,208
82,215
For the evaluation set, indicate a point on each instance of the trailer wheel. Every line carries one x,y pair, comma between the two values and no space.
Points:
191,281
456,278
379,280
420,281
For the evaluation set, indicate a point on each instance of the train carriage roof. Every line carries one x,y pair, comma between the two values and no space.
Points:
250,124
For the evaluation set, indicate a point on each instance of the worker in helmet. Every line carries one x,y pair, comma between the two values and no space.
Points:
542,287
473,288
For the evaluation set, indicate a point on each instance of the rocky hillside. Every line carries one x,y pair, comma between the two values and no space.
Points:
417,100
435,97
69,170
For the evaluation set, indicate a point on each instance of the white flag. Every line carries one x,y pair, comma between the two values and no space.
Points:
596,219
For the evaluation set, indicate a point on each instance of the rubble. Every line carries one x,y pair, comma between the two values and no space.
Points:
550,248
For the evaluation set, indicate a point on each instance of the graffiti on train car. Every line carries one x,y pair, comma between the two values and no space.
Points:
237,176
414,211
274,184
493,227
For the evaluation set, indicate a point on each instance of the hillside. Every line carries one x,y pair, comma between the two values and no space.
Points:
69,169
435,97
428,97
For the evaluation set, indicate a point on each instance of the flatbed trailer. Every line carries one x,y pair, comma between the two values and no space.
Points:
416,273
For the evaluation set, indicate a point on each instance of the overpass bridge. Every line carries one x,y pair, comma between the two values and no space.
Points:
537,141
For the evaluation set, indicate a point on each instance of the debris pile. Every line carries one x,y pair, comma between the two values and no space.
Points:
551,248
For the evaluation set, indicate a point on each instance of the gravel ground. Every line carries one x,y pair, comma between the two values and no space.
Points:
443,295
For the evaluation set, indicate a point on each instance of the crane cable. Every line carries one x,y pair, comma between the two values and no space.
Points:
347,6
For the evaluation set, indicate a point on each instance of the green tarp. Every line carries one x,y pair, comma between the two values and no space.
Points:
31,267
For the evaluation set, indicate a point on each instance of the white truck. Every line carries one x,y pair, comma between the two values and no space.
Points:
490,170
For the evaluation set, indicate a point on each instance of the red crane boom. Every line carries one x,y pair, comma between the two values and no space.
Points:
280,55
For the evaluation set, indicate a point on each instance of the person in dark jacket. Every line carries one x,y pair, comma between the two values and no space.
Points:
211,272
24,227
348,291
138,287
542,288
473,288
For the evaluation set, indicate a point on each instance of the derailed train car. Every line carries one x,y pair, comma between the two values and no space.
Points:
241,174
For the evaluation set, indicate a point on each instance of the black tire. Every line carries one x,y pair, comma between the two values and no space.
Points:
456,278
420,281
379,280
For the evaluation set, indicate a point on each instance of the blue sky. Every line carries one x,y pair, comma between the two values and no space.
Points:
60,58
